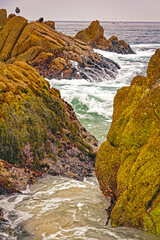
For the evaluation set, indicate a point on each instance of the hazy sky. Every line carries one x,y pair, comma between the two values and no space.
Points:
121,10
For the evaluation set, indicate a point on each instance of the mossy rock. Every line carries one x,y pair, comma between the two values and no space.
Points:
31,114
133,147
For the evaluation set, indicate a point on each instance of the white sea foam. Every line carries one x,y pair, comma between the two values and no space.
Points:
93,102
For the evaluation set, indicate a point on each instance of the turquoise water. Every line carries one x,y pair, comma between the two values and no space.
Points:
93,101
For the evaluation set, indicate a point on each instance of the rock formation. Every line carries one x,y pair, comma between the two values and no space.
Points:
94,36
52,54
3,18
38,130
128,163
13,179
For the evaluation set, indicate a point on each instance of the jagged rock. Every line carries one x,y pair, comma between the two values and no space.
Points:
51,24
11,15
129,162
39,130
94,35
94,31
52,54
13,179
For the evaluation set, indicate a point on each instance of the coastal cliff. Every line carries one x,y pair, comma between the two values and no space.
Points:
127,164
94,36
51,53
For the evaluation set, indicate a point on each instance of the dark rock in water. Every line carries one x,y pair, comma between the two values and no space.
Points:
119,46
128,164
39,131
97,71
94,36
52,54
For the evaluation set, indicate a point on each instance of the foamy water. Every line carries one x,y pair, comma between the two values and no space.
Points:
92,101
57,208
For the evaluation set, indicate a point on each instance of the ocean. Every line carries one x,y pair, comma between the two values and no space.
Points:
92,101
57,208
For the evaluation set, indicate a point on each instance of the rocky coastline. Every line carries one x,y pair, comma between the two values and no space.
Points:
40,133
51,53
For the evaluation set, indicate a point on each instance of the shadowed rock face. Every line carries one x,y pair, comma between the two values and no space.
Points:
128,164
38,130
52,54
94,36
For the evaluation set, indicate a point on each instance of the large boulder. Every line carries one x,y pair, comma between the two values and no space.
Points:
94,31
128,164
52,54
38,130
9,36
94,36
3,18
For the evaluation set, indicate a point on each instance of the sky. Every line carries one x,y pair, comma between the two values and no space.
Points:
86,10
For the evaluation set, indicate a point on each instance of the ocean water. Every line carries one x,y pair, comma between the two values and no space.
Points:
93,102
57,208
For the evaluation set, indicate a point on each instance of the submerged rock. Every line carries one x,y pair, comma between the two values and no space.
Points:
94,36
38,130
52,54
129,162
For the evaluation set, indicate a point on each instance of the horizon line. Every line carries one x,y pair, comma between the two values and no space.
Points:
112,21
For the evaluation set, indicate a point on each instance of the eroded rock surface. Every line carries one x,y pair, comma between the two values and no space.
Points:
94,36
128,164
